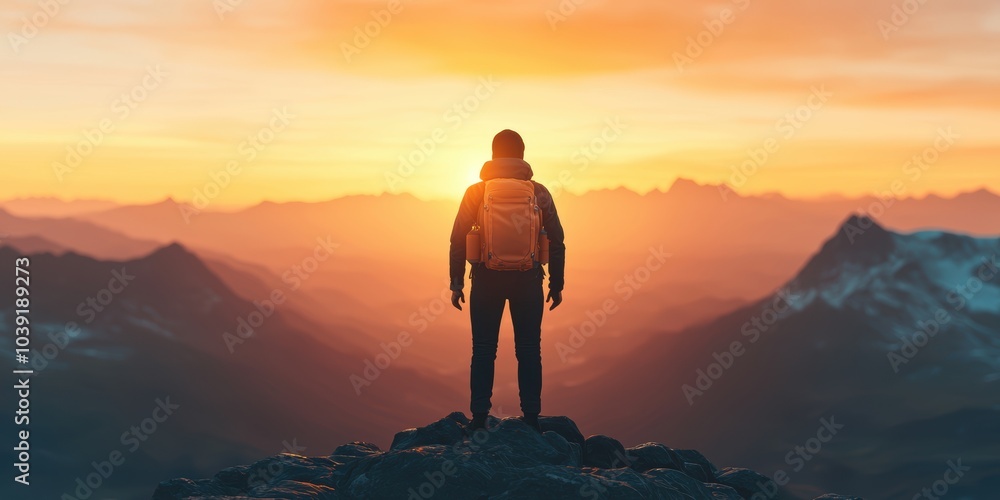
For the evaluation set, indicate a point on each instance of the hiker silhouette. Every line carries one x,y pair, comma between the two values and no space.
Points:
507,227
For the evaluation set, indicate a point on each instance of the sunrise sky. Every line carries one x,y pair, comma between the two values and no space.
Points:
605,93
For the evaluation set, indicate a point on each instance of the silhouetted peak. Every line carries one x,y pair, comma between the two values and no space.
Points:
616,190
682,185
861,234
169,201
168,205
172,254
862,222
687,189
859,241
773,195
979,194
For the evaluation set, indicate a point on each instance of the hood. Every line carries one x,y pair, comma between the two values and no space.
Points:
508,168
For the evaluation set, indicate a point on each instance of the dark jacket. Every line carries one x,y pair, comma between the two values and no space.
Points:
513,168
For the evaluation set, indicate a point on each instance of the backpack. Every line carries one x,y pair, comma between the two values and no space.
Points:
510,221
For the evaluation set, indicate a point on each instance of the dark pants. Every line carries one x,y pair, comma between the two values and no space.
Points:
490,291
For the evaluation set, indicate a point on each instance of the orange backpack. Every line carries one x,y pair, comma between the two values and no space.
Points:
508,227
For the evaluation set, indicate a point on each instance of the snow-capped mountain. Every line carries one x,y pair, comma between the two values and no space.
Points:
887,333
912,287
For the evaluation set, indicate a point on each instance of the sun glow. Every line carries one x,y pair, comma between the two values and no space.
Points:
422,78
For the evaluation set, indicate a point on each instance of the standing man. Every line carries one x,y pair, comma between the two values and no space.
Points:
499,277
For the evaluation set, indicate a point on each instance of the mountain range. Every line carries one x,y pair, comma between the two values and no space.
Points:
888,332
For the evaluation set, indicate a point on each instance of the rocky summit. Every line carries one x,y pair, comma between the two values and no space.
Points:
507,460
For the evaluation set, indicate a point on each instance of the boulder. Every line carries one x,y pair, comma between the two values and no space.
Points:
446,431
653,456
747,482
564,427
604,452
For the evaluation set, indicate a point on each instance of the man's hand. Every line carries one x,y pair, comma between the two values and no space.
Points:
455,297
554,297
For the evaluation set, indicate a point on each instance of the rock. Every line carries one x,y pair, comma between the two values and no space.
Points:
522,445
289,467
564,427
446,431
696,457
572,451
722,492
681,482
604,452
187,488
634,481
233,477
747,482
508,460
294,490
355,449
699,472
653,456
459,417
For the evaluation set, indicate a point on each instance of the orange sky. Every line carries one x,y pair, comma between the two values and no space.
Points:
605,94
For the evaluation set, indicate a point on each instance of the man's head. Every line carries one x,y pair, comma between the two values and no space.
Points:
508,144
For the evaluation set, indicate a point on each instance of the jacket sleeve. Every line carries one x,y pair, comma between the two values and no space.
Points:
467,213
554,229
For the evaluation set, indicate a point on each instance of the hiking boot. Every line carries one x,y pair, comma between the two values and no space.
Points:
532,420
478,422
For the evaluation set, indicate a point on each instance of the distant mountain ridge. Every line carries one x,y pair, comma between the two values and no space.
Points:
77,235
